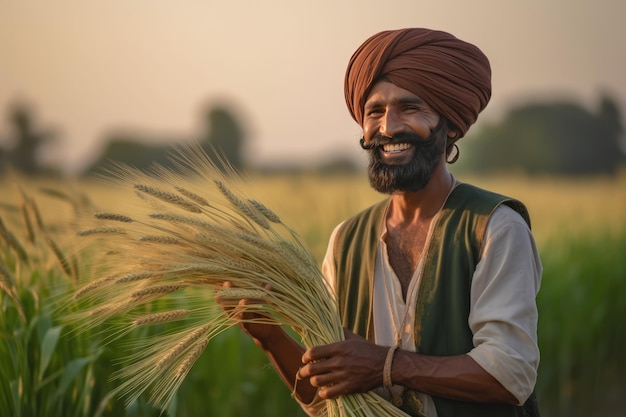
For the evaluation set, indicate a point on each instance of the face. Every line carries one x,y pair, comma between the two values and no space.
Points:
405,138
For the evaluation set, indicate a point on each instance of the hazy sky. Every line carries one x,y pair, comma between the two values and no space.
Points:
154,65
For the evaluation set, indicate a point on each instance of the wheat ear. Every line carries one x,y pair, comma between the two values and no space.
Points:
168,198
193,196
157,318
235,239
7,283
12,241
102,231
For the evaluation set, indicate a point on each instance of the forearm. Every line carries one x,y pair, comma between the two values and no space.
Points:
456,377
286,356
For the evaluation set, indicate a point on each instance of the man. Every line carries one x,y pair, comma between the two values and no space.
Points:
436,285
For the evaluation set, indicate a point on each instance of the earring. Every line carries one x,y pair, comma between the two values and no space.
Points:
455,153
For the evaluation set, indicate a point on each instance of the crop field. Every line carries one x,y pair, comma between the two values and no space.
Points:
48,367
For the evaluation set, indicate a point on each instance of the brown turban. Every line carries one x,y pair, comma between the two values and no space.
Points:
452,76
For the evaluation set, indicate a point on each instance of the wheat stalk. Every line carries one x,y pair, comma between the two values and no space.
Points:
168,197
192,196
60,256
30,230
12,241
132,277
235,239
7,284
154,292
164,240
87,288
240,293
269,214
164,317
256,216
190,358
102,231
29,204
114,217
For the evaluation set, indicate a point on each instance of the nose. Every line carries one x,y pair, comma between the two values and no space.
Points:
391,124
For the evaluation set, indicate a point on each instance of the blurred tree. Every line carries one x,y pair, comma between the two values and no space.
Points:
554,138
610,114
27,142
224,137
133,150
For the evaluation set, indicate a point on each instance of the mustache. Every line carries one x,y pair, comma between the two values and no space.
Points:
404,137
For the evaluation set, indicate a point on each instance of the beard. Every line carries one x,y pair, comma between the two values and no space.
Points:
412,176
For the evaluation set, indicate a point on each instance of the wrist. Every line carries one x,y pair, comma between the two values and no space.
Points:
270,339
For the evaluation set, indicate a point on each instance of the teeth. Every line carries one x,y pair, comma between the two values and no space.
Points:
396,147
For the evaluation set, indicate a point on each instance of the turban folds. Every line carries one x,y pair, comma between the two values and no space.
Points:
452,76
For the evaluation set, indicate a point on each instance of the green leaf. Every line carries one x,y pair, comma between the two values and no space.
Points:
70,371
48,345
16,392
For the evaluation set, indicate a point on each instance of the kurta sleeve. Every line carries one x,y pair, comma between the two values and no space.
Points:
503,316
328,265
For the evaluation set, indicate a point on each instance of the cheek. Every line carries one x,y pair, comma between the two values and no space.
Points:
423,128
369,130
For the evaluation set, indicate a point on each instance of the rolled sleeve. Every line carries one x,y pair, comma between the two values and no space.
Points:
503,316
315,408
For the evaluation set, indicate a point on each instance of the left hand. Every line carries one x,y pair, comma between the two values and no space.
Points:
347,367
260,333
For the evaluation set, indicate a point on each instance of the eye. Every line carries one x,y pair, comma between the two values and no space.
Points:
411,108
374,111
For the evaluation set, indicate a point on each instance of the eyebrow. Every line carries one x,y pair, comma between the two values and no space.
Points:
402,100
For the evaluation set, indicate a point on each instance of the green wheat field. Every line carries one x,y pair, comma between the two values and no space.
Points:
49,368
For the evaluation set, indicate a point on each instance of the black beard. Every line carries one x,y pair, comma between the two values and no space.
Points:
412,176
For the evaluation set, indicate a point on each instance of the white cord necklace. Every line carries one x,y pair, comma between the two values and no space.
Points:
396,397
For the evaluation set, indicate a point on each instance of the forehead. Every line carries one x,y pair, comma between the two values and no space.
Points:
384,92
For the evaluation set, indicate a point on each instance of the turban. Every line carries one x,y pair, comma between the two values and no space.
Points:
452,76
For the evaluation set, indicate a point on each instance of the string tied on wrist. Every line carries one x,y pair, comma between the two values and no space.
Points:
396,398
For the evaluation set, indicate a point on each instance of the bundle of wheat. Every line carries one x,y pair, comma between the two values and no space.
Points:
194,230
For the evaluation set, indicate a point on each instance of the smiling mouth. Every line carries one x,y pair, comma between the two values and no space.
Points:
396,147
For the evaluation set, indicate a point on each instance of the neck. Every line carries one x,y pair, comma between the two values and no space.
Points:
422,205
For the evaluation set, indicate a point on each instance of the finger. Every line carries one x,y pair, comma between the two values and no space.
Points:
331,386
317,374
318,353
322,381
332,390
308,370
304,372
315,368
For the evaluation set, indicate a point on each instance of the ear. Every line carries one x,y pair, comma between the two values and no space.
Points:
451,138
452,135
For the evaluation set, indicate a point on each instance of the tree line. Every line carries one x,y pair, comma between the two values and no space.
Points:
561,138
556,138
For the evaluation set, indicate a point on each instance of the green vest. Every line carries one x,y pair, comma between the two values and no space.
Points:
443,302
